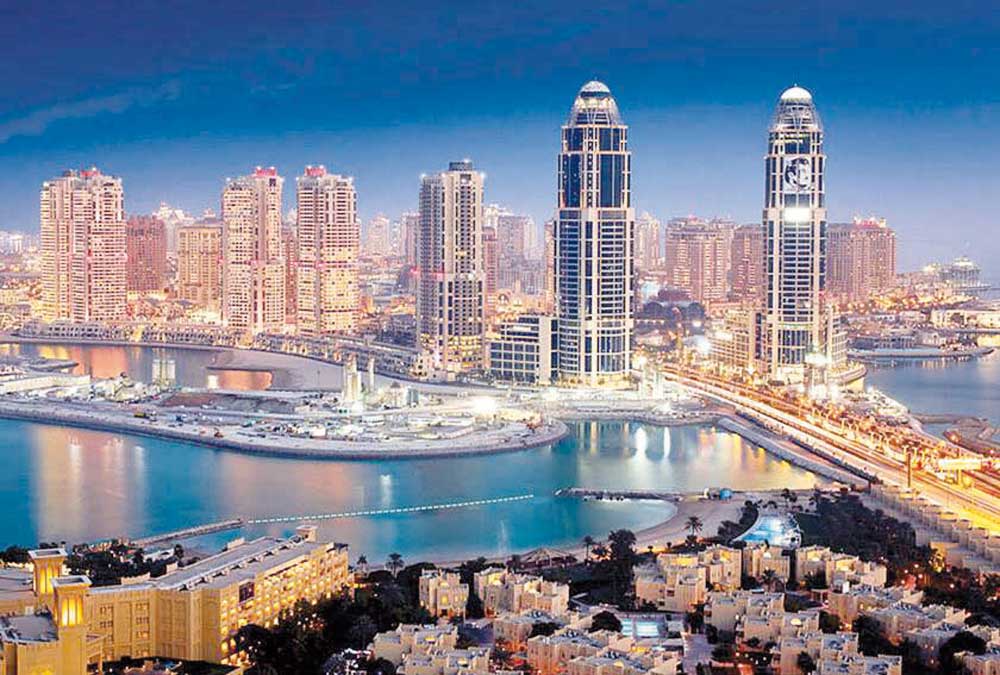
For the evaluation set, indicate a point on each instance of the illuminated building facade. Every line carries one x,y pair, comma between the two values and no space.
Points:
146,245
594,243
253,295
328,296
451,269
697,258
746,263
648,251
199,265
861,259
84,255
190,613
794,220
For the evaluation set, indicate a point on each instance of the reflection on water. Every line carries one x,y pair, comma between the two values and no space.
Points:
184,367
69,484
970,387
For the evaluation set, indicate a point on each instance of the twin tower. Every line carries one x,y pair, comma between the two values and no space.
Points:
594,242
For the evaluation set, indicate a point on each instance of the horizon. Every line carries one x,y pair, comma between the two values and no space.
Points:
386,98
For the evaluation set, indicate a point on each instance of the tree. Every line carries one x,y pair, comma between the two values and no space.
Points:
544,628
380,667
605,621
724,652
622,544
362,632
805,663
963,641
694,525
394,563
588,543
828,623
770,580
178,551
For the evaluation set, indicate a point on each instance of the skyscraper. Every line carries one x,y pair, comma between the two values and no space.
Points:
491,270
861,259
377,236
450,265
697,258
594,242
747,263
146,243
253,296
794,221
84,253
328,237
410,223
199,265
648,255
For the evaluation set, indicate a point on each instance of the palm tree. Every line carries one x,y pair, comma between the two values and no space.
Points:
694,525
770,580
514,562
362,564
394,563
588,543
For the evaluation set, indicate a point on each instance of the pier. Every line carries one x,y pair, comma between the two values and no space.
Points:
188,533
389,512
239,523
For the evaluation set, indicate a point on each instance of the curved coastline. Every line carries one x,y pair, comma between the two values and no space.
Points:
551,432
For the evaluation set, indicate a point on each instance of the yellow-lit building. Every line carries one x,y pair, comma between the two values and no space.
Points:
191,613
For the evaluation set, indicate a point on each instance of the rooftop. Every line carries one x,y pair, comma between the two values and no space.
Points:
28,628
594,105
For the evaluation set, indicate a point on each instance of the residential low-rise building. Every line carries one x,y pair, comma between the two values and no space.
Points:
410,639
837,569
471,661
833,647
759,559
723,609
442,593
902,618
848,604
501,590
515,629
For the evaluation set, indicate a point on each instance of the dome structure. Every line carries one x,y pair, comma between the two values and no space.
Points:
594,105
796,111
796,93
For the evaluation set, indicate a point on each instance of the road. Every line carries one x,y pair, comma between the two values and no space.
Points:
979,503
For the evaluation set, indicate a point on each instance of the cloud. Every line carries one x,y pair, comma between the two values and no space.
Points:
38,121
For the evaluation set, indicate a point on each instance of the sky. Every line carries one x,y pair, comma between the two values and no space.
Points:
175,97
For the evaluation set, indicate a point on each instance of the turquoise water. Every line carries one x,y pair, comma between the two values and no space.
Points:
78,485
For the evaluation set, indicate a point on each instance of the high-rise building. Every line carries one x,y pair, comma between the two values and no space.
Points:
491,270
746,263
377,235
199,265
328,233
594,227
146,244
697,258
290,247
648,252
794,220
861,259
450,265
173,219
410,224
253,296
84,254
510,237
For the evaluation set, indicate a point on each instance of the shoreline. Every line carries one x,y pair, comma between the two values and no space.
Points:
549,433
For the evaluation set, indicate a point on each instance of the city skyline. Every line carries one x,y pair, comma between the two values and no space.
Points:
700,141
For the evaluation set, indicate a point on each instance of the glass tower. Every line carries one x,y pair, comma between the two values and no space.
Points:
594,243
794,328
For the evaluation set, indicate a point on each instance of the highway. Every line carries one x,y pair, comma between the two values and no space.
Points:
979,502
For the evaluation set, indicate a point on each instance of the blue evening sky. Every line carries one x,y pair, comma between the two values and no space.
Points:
175,96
